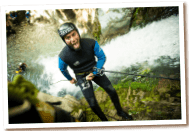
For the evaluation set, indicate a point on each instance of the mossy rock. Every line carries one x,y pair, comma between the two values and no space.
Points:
147,99
156,98
163,90
141,94
101,96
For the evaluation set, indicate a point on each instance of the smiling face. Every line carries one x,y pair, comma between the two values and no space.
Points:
72,39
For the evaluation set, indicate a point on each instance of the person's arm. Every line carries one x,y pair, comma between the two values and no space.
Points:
25,64
63,68
11,15
100,55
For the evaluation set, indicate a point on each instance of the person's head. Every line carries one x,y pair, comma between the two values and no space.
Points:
20,63
70,35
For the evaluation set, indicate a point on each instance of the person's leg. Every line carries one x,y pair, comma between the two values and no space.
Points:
88,93
104,82
23,67
28,20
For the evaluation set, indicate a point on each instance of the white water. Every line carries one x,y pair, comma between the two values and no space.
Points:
157,39
147,44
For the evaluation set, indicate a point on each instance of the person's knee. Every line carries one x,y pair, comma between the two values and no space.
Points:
110,90
92,102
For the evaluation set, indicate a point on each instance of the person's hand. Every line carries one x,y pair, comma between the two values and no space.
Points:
73,81
90,77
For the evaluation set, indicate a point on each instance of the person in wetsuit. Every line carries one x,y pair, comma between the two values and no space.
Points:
13,15
9,29
79,54
21,68
27,14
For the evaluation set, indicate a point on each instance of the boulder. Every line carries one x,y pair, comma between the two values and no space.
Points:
67,102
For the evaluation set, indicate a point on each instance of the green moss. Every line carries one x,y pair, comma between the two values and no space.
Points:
156,98
178,94
97,31
159,112
137,85
138,108
133,112
147,99
137,104
20,89
149,109
100,88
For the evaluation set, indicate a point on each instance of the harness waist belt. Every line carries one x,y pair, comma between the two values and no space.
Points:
82,73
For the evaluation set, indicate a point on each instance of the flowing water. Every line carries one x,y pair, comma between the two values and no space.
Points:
41,45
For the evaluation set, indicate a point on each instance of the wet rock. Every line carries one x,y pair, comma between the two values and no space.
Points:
113,20
163,90
134,92
171,99
67,102
143,16
128,93
141,94
78,114
113,113
136,99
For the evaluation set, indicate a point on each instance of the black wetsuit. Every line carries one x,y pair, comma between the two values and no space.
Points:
23,67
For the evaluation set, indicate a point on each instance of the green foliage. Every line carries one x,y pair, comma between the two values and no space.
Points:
147,99
137,85
97,31
20,89
145,71
137,11
122,85
100,88
140,17
133,112
149,109
97,36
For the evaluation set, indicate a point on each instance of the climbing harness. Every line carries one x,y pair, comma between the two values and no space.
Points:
83,82
21,68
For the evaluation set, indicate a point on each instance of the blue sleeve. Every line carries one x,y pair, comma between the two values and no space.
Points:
27,15
11,16
63,68
99,53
